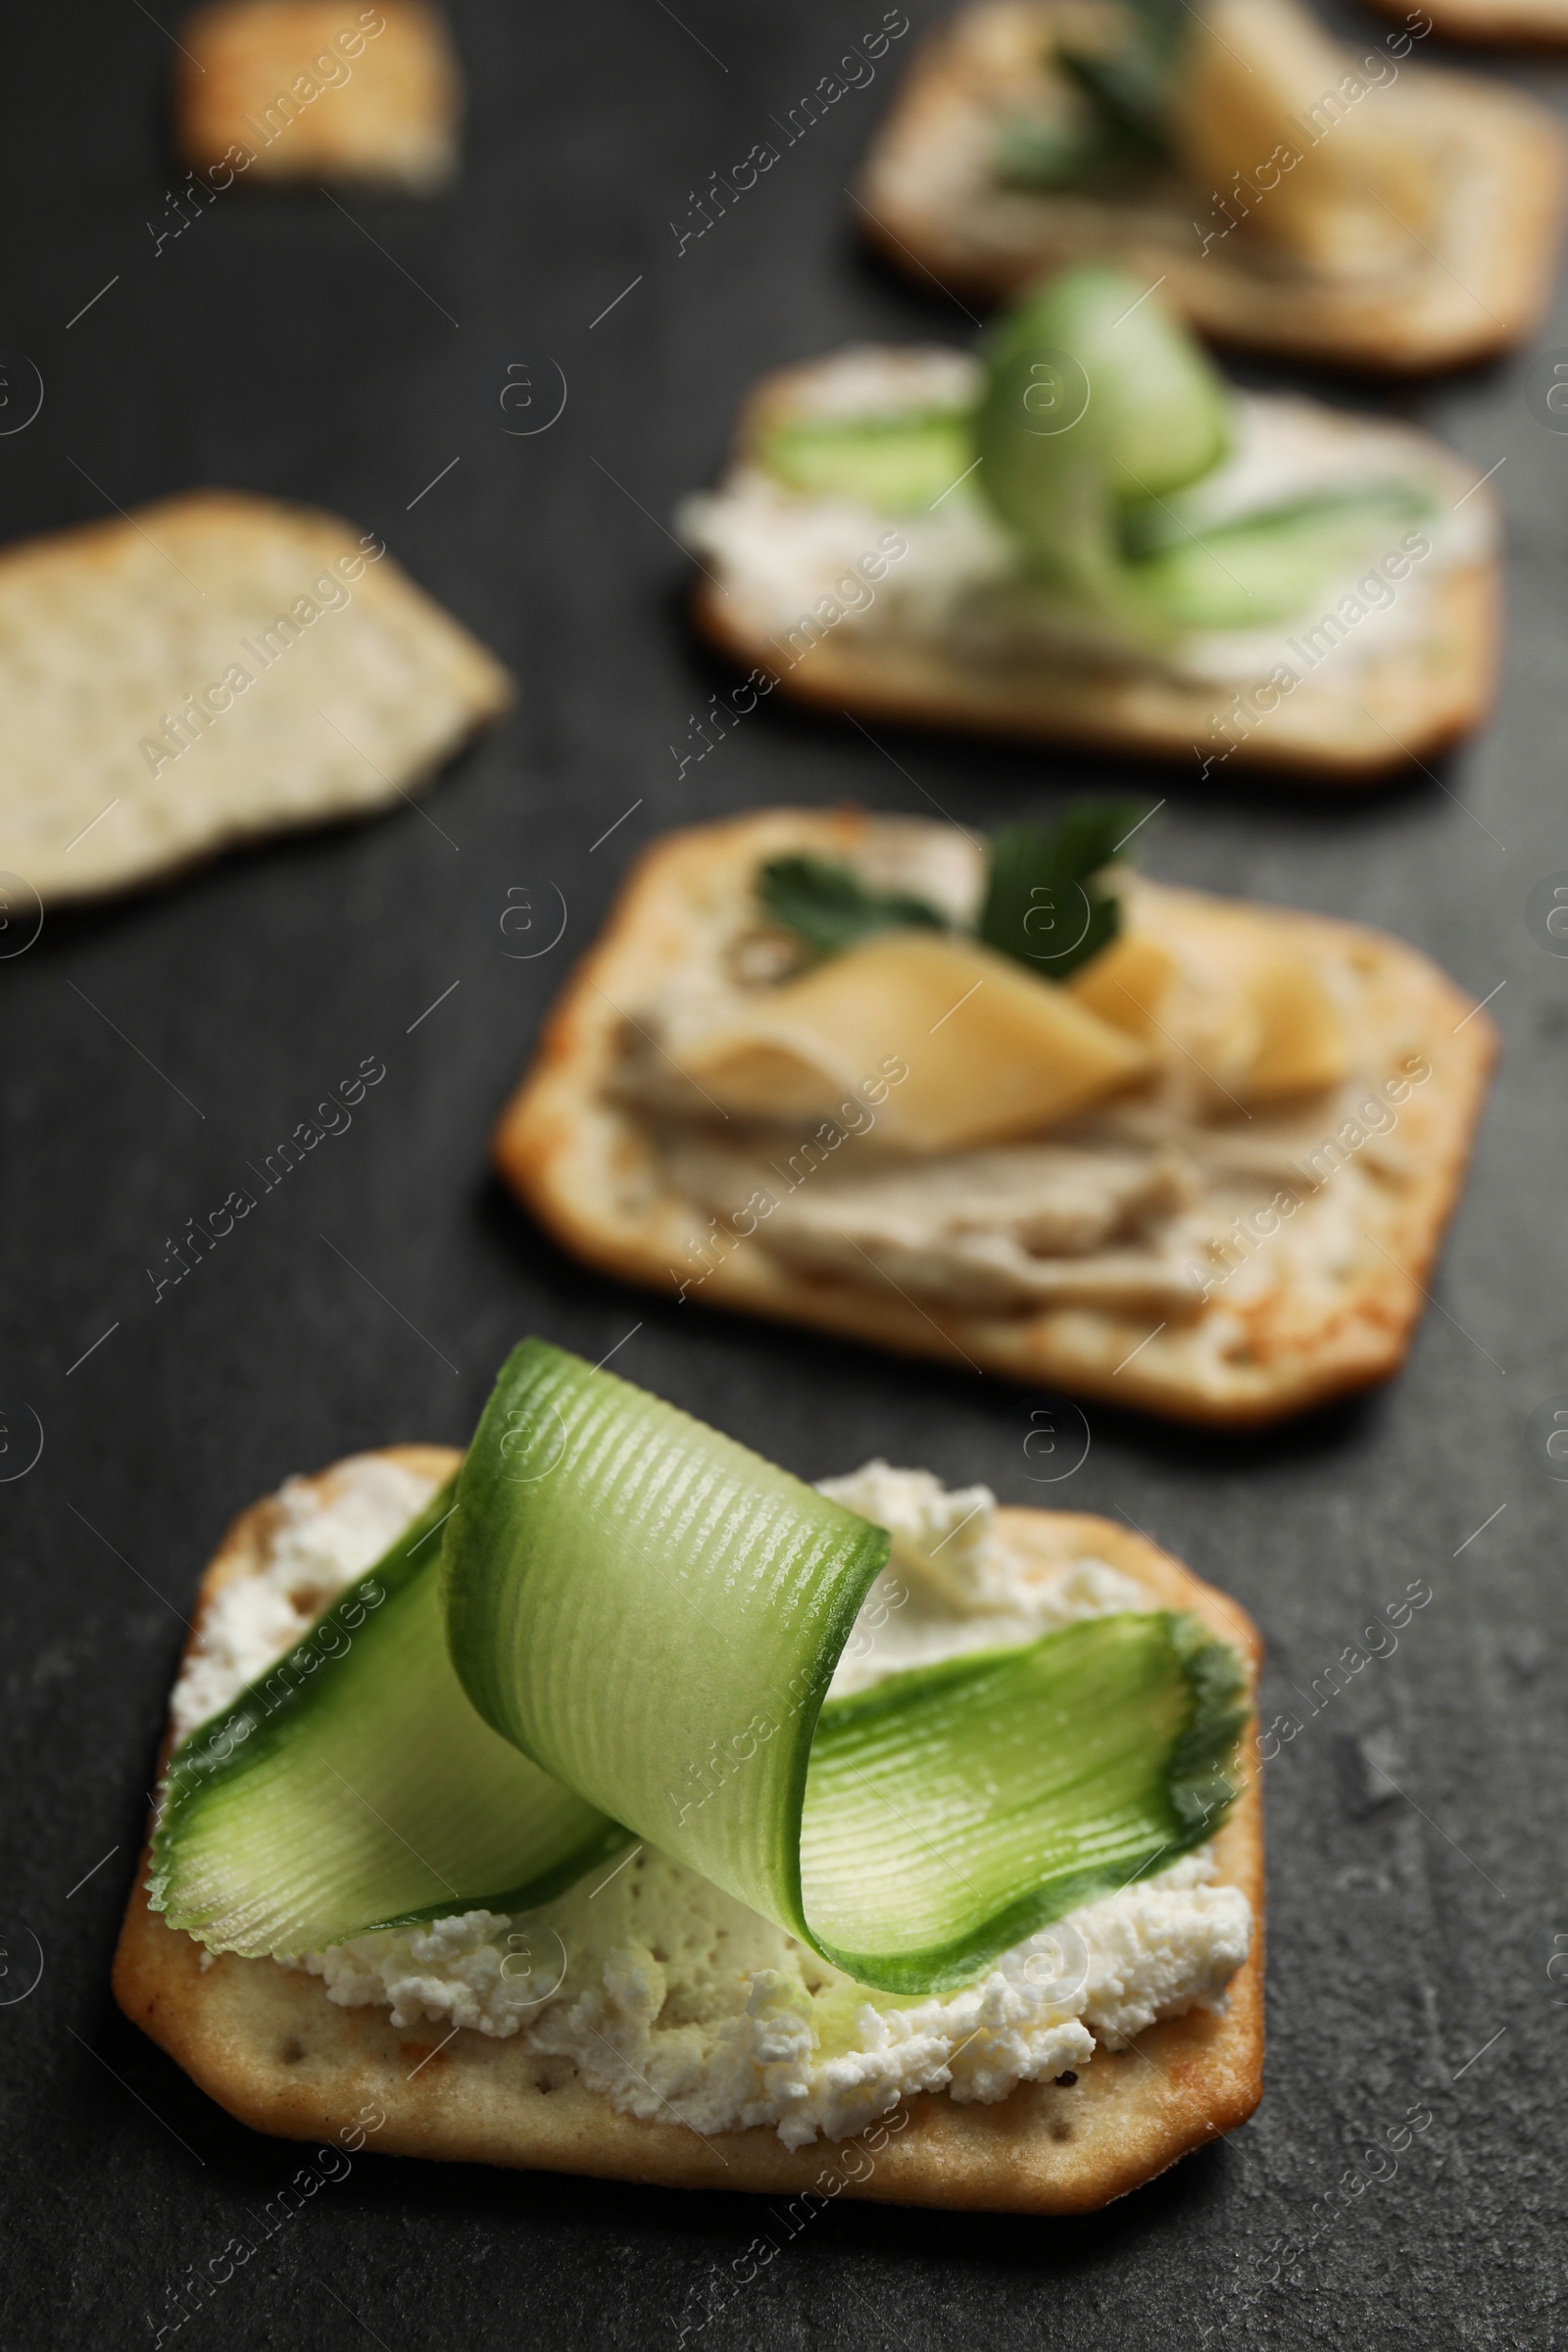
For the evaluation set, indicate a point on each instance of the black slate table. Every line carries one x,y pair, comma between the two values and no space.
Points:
152,1048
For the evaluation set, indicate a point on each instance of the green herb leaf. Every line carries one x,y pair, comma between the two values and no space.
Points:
829,905
1124,92
1091,155
1041,905
1131,93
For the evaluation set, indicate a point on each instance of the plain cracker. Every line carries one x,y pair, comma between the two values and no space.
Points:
104,632
269,2046
585,1166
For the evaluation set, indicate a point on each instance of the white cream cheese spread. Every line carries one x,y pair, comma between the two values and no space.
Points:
779,552
675,2001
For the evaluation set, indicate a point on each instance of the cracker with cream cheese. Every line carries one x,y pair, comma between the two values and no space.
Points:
1049,1263
882,617
931,200
208,669
267,2043
319,89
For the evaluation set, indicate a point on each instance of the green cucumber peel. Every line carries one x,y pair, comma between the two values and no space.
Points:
352,1785
630,1595
631,1633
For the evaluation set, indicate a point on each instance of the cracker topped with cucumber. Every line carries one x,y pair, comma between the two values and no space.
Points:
1084,534
609,1801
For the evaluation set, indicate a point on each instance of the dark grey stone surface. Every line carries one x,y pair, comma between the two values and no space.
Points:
150,1049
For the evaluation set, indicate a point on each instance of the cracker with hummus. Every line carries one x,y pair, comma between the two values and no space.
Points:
270,90
1285,191
211,669
1204,1172
1086,536
643,2021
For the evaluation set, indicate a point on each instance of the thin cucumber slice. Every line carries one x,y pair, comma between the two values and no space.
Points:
953,1810
1269,567
900,462
654,1614
354,1787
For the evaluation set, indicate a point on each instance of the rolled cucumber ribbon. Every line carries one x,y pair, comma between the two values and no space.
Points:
631,1635
1094,401
1099,411
654,1616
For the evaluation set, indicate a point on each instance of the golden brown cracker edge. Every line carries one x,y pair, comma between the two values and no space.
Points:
1316,736
584,1169
271,2048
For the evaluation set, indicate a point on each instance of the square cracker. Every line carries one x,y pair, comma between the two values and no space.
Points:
319,89
269,2047
931,201
587,1167
1341,724
107,632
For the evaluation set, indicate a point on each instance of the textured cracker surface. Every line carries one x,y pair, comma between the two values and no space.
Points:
105,630
272,2048
387,115
1479,288
585,1168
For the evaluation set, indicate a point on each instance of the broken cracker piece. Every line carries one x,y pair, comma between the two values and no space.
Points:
319,89
210,668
